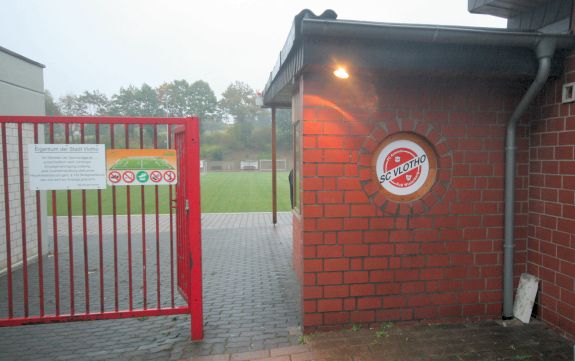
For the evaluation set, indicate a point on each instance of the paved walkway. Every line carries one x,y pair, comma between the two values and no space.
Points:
250,296
484,341
251,313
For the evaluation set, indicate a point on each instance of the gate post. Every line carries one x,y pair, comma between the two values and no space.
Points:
192,148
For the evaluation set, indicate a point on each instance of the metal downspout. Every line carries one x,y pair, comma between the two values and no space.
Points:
544,51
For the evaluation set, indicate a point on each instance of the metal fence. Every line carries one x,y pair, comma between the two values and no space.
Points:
108,253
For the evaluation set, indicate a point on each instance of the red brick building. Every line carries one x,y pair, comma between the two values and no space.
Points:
365,253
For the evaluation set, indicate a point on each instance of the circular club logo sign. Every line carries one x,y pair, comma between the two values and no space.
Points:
405,166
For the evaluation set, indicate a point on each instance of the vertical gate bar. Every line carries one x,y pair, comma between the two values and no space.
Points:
39,239
23,219
169,139
85,237
157,228
143,199
274,170
184,252
115,226
101,248
129,216
70,236
192,144
178,192
7,215
55,237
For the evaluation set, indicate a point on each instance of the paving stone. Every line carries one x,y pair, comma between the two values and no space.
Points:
225,357
278,358
247,267
254,355
306,356
247,272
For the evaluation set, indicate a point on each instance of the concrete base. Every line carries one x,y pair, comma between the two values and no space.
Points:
525,297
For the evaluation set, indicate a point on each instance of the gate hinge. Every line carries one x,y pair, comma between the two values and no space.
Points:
187,207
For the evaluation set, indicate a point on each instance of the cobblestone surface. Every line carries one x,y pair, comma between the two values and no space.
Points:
251,313
250,296
483,341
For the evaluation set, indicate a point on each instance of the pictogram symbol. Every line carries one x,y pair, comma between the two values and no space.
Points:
170,176
128,176
142,176
156,176
114,177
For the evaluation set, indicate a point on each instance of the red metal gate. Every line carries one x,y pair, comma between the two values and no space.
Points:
111,237
188,222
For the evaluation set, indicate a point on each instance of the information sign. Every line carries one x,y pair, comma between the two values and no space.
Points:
141,167
67,166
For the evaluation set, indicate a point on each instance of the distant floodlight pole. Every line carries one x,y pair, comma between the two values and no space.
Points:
274,169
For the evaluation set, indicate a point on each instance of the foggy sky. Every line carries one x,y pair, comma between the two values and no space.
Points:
105,44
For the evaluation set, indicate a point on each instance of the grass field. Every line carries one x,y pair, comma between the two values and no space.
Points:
141,163
222,192
243,192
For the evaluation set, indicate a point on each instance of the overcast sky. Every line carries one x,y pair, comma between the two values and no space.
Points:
106,44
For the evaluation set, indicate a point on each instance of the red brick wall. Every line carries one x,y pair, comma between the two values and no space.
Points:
435,259
551,238
297,245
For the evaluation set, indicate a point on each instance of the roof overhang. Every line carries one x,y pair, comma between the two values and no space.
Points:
405,49
503,8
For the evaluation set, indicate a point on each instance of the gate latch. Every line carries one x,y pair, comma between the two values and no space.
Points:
187,208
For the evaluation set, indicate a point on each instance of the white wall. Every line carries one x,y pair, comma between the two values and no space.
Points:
21,93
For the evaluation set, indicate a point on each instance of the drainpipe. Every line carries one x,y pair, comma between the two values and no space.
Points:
544,51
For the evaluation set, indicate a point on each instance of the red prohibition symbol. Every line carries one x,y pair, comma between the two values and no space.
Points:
156,176
128,176
114,177
169,176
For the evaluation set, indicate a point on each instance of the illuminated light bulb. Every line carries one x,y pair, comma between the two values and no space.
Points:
341,73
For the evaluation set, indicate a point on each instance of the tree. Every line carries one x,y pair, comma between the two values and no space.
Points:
181,99
239,101
203,101
70,105
135,101
94,103
51,106
173,98
283,129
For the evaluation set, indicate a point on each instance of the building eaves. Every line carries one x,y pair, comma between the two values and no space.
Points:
383,40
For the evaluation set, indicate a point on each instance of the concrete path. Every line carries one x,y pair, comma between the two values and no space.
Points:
250,295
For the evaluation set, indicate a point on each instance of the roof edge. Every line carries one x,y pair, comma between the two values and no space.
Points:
21,57
307,27
432,33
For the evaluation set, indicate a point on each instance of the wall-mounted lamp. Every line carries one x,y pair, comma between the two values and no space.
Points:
341,73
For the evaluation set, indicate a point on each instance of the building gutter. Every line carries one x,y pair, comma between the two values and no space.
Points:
544,52
429,33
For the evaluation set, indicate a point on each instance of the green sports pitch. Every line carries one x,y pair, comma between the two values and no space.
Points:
144,163
222,192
